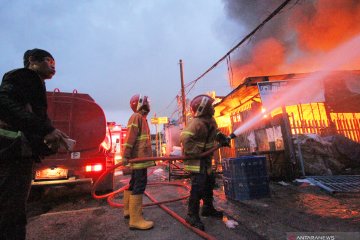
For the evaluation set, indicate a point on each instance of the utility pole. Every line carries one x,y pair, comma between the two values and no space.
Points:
160,144
156,137
183,97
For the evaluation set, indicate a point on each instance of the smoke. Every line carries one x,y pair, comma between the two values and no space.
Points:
294,41
308,87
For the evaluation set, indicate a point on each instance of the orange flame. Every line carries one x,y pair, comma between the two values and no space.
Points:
297,39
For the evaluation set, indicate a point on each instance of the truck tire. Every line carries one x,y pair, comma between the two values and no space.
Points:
107,184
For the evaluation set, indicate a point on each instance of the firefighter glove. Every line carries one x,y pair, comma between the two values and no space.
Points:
223,139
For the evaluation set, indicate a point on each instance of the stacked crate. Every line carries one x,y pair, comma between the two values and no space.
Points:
245,177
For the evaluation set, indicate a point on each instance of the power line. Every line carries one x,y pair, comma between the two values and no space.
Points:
172,101
191,84
273,14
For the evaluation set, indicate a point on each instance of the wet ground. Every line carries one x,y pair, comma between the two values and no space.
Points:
290,208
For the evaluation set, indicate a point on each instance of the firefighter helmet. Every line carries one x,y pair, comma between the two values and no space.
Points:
139,102
202,105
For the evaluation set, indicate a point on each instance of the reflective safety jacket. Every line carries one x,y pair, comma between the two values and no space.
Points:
198,137
138,142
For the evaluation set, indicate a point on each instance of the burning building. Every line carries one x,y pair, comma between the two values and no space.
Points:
298,75
266,113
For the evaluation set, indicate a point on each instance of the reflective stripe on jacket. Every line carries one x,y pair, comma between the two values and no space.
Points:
198,137
23,107
138,141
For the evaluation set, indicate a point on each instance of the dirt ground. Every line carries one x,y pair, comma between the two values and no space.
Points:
290,208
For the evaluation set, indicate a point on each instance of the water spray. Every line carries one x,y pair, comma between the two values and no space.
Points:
335,60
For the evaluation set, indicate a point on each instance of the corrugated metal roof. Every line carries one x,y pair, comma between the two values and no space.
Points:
248,89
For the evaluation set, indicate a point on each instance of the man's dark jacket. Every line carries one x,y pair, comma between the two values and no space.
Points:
23,107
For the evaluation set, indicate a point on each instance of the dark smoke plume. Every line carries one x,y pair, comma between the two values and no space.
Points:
296,39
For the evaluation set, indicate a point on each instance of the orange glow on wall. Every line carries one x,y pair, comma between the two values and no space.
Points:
223,121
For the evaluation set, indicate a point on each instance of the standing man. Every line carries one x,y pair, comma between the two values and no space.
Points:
137,144
26,135
198,137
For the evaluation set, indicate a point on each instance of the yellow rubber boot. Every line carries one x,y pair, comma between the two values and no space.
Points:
126,203
136,219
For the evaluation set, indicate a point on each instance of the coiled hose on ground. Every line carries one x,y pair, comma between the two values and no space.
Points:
110,196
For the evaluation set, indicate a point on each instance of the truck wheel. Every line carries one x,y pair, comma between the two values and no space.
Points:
107,184
36,194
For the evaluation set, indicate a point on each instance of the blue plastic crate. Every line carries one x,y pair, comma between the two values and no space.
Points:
245,177
245,166
246,188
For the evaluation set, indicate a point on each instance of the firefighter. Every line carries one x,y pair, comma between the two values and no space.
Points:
199,136
137,144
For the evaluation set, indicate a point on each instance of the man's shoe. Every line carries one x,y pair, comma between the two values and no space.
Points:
195,222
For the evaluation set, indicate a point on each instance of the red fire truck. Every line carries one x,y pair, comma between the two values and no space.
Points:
118,135
83,120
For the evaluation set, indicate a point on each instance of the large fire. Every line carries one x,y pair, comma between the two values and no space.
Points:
297,39
314,37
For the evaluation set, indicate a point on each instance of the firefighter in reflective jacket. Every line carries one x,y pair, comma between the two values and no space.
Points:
137,144
199,136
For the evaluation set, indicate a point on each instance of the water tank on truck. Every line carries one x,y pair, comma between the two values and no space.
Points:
83,120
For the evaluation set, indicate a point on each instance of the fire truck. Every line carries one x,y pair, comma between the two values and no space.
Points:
83,120
118,135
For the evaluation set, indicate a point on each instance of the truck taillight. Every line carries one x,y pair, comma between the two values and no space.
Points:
93,168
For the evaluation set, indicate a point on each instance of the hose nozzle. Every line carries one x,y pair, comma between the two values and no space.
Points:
232,136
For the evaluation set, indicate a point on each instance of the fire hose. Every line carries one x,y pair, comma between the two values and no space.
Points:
110,196
143,159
